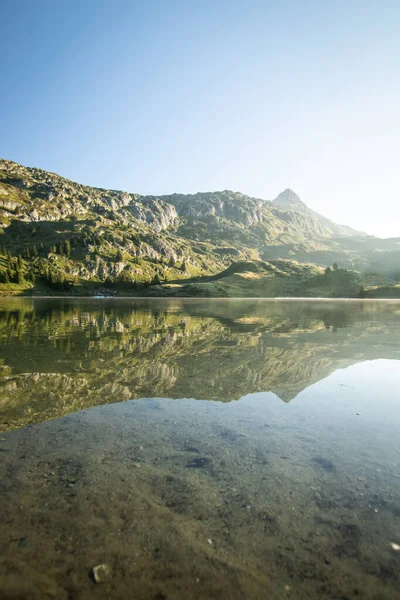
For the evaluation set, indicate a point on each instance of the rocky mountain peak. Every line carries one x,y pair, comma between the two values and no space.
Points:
289,199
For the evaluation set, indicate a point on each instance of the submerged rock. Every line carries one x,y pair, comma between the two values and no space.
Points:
395,547
102,573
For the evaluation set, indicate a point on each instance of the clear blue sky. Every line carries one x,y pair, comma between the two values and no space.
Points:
185,96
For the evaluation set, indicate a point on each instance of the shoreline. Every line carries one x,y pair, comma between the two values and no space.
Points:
225,298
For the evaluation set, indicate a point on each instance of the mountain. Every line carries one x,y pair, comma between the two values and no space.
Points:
64,236
291,201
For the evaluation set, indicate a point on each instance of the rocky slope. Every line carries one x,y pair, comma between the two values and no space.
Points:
69,235
327,228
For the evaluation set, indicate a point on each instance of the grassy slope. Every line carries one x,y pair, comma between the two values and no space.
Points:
278,278
385,291
243,279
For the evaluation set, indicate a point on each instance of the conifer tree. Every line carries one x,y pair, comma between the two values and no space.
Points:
20,275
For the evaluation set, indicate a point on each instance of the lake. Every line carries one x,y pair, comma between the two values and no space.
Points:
199,449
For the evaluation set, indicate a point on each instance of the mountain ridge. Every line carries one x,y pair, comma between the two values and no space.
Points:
290,199
286,199
113,234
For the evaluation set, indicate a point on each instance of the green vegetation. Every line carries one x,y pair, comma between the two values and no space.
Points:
60,237
276,278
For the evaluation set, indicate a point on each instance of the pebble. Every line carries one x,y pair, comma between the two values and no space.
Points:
102,573
210,542
395,546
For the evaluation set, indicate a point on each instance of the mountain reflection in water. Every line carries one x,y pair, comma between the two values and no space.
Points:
59,356
184,498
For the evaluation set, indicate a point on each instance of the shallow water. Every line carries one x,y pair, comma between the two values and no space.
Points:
200,448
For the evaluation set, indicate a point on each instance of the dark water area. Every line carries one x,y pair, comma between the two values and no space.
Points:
199,449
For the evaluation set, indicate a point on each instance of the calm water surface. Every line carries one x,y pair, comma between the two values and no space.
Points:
200,449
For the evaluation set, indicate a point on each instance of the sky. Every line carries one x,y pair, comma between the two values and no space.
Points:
156,97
